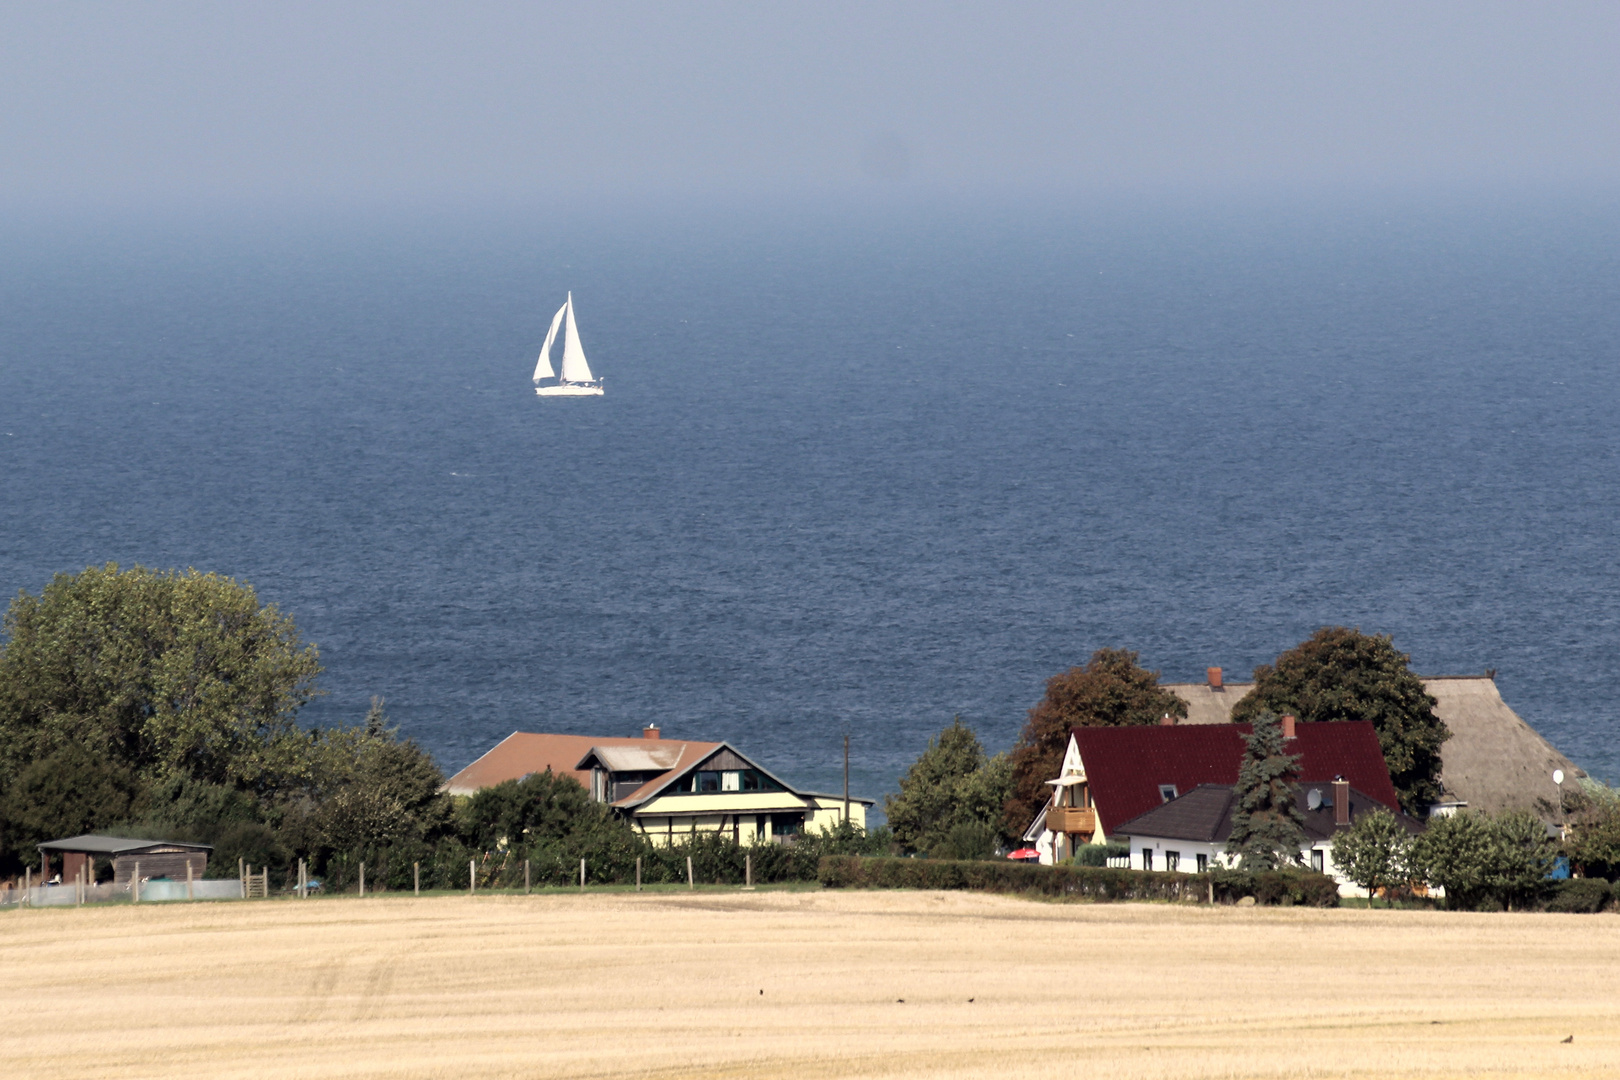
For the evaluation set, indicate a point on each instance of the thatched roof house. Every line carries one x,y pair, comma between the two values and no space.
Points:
1493,761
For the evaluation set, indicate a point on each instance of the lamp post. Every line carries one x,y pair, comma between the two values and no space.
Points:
1558,782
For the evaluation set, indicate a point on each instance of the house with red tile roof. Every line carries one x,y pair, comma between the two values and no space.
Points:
1112,775
668,788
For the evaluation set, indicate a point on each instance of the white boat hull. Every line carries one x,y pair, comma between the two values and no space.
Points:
570,390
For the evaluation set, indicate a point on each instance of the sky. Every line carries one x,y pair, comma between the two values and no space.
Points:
130,103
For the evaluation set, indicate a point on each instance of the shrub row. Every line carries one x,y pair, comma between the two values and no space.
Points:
1581,896
1085,882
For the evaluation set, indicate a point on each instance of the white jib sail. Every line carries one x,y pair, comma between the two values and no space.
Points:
542,370
574,367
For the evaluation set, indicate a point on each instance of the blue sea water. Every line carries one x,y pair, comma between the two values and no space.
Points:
858,468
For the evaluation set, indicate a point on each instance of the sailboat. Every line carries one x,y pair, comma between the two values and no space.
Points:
576,380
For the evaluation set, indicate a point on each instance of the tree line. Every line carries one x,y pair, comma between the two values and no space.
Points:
956,797
163,705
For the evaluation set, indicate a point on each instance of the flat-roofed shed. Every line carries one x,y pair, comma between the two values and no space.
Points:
156,858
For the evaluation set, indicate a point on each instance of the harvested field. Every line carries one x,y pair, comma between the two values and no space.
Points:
670,985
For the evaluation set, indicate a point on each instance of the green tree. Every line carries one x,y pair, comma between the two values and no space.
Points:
1593,846
1454,853
1267,826
1480,859
1375,852
1110,690
951,785
71,792
1343,674
1522,855
164,673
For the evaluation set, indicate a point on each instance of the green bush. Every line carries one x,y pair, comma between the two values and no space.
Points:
1084,882
1099,854
1581,896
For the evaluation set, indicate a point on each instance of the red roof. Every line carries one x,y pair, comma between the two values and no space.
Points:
1125,765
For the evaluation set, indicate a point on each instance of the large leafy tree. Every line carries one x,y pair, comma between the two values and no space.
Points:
1110,690
72,791
1267,826
1483,859
165,673
1375,852
951,799
1343,674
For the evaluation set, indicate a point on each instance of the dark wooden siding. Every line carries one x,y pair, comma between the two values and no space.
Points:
723,760
154,864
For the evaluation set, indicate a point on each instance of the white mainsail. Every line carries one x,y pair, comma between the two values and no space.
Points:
542,370
574,367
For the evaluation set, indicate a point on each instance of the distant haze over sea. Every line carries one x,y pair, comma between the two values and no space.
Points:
857,468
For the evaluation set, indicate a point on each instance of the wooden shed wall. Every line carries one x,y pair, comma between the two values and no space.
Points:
154,864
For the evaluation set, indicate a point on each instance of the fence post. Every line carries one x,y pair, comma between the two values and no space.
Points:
416,877
638,873
362,879
525,877
78,888
472,878
691,882
188,877
748,870
582,873
135,882
241,873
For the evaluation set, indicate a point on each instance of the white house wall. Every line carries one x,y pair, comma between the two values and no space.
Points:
1189,850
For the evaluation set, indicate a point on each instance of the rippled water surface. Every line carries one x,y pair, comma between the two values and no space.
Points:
855,469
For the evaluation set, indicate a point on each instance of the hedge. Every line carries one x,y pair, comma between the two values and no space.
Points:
1582,896
1084,882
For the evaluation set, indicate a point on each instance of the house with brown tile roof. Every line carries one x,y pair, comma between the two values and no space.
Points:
668,788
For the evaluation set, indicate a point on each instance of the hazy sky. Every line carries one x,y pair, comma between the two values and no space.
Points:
288,101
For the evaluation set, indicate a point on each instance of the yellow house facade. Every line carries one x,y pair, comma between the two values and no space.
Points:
669,790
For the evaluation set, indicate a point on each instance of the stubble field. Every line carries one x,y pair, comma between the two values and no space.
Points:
801,984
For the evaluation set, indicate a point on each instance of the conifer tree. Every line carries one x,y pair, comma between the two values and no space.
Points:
1267,827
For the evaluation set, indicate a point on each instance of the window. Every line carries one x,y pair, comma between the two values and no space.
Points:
730,781
1147,858
1316,860
1167,792
1203,863
750,780
1172,860
708,781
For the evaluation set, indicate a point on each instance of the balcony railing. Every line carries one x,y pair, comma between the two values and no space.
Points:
1071,819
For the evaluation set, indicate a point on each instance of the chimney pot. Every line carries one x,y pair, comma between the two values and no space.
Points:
650,732
1288,726
1341,801
1167,720
1214,674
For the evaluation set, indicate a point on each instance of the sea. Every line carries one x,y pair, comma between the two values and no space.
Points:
862,466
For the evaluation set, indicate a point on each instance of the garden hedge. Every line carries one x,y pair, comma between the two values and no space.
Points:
1081,882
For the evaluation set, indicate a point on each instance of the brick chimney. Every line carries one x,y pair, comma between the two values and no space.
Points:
650,732
1288,726
1341,801
1167,720
1214,674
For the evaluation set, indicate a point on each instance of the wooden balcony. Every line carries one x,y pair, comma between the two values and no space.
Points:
1071,819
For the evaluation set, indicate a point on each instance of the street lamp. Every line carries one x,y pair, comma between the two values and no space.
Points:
1558,781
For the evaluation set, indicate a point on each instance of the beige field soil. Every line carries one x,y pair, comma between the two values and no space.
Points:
670,985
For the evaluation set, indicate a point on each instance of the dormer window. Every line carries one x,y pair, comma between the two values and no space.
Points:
1167,792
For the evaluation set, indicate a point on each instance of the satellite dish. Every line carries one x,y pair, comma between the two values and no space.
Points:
1558,776
1314,799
